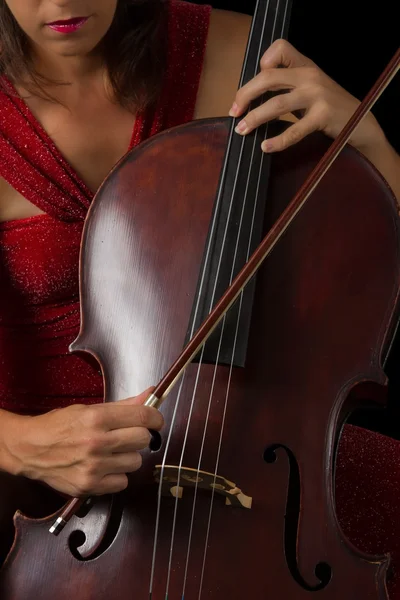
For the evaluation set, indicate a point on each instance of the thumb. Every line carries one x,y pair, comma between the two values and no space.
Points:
140,399
282,54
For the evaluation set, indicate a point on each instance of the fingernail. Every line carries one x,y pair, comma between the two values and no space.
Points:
267,146
241,127
234,110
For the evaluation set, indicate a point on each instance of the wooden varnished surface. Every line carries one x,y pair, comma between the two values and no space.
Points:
323,314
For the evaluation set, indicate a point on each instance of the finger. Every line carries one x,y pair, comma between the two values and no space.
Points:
117,415
140,399
111,484
130,439
291,136
282,54
127,462
267,81
272,109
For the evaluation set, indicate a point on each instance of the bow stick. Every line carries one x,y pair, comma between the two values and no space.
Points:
264,249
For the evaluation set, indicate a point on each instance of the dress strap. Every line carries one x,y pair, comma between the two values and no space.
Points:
33,166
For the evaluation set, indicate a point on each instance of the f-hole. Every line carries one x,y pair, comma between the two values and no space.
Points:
78,538
322,570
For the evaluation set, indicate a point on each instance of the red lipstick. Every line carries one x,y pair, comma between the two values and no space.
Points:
69,26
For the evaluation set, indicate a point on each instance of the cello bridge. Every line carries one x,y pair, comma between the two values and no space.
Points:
175,479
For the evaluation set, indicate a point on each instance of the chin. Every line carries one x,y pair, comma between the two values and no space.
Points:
70,53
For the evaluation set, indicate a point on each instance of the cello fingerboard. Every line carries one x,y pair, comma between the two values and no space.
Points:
236,227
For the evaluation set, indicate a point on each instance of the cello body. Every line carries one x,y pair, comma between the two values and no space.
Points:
240,498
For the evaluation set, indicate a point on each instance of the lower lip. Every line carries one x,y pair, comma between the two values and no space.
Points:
68,27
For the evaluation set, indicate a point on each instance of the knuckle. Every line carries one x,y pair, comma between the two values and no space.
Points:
149,417
280,102
292,137
264,60
93,418
86,484
143,416
94,445
92,470
281,44
323,111
312,74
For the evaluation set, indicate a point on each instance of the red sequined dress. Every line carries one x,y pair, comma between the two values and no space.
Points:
39,299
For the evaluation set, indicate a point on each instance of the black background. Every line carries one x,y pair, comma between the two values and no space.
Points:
352,45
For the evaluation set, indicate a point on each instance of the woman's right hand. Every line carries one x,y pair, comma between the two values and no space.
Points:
83,450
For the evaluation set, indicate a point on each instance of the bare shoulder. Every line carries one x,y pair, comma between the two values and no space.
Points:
226,48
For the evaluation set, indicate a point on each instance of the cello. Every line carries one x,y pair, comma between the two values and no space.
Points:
246,457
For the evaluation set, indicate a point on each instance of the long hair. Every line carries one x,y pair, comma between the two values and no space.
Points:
133,50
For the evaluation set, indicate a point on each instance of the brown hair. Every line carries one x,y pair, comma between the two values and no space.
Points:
133,50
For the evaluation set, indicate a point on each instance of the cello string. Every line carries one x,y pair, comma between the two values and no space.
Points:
236,335
159,493
208,250
197,379
223,323
198,375
179,481
246,196
196,312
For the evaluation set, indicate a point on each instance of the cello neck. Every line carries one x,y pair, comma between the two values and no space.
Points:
236,227
270,22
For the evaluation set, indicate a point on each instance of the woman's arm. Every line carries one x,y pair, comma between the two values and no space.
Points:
9,427
384,157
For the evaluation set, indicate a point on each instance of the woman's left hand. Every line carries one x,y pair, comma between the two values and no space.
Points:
323,104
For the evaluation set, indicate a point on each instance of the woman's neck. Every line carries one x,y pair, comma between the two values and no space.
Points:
66,79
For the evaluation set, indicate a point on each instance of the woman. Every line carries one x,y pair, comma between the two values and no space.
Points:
82,83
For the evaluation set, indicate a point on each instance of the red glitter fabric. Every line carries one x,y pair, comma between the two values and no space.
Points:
39,303
368,496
